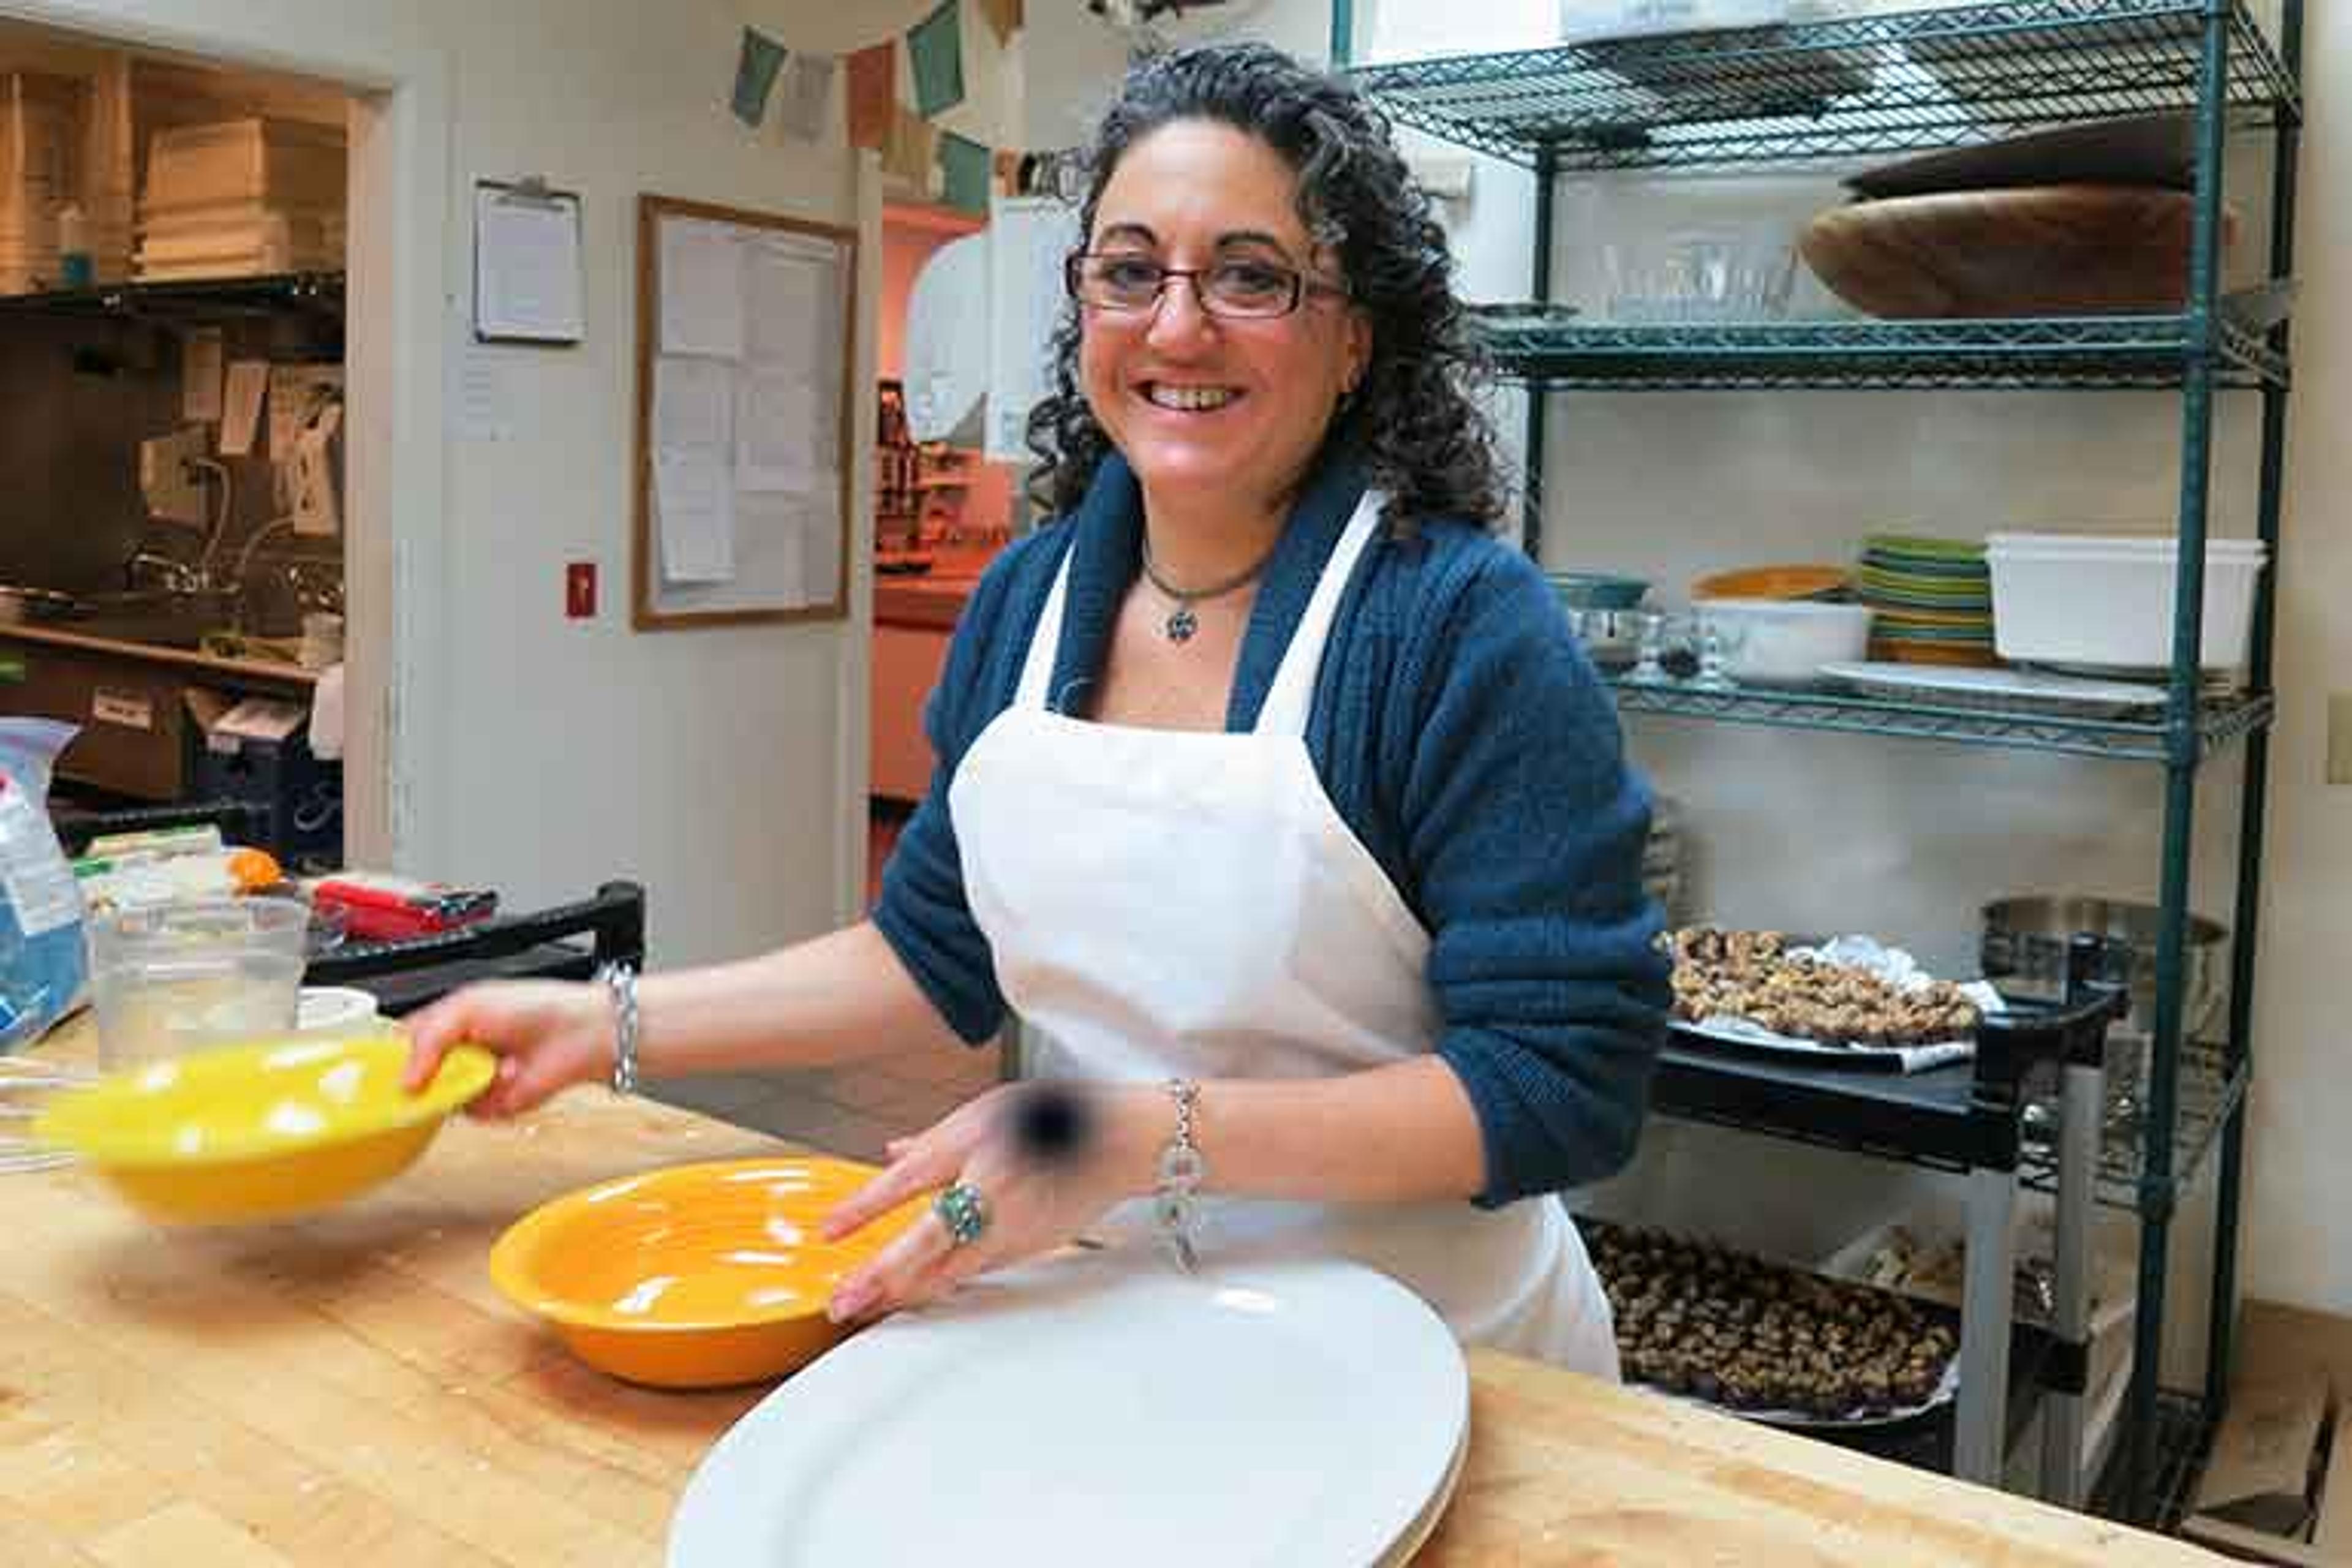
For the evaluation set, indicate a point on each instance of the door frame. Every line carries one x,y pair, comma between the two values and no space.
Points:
400,286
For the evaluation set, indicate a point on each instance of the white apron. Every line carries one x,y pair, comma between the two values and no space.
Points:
1174,904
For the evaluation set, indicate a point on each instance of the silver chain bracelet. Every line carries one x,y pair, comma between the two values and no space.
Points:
621,980
1181,1170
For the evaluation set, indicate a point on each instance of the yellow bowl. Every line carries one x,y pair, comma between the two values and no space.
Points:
696,1275
260,1130
1790,582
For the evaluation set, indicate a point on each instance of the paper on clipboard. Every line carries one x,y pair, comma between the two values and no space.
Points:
527,266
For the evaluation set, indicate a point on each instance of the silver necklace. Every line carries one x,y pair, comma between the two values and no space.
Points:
1182,623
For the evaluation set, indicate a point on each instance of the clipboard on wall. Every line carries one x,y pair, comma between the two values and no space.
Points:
744,452
530,277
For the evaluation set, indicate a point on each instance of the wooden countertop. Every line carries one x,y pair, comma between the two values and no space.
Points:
265,670
348,1389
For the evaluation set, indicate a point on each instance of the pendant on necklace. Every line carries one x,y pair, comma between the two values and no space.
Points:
1182,623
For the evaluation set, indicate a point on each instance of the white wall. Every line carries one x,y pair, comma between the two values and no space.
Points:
1071,59
723,768
2302,1240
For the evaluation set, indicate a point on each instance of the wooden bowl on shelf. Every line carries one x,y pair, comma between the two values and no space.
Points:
2038,250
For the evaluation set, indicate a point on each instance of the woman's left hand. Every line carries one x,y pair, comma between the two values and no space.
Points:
1036,1198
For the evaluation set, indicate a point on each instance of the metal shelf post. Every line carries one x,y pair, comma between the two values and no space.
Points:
1539,281
2286,150
2157,1197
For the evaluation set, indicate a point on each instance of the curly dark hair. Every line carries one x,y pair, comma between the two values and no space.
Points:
1423,438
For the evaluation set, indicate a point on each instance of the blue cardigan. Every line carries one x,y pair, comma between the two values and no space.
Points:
1461,734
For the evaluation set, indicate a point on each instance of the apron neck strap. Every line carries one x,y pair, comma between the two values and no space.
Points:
1044,644
1293,691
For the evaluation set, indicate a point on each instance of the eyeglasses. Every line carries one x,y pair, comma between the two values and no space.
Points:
1249,289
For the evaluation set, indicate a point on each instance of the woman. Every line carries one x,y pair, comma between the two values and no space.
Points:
1272,793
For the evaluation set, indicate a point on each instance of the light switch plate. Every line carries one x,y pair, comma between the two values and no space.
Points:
2340,737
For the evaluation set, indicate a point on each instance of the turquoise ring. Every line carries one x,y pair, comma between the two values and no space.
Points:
963,1211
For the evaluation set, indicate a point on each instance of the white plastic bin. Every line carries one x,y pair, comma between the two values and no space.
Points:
2105,600
1584,19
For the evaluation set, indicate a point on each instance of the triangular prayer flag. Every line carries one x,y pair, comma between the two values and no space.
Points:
807,88
755,75
935,49
873,94
907,152
964,172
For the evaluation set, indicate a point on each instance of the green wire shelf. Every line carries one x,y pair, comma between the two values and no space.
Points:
2210,1088
1855,87
2220,724
1556,349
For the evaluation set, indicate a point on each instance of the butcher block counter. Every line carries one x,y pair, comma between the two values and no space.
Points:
349,1390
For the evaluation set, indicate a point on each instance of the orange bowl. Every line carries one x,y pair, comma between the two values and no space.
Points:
1972,656
696,1275
1798,582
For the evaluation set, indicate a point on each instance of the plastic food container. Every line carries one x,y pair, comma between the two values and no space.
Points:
172,978
1582,19
2104,601
1785,642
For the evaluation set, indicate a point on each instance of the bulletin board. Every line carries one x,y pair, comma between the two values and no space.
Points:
746,355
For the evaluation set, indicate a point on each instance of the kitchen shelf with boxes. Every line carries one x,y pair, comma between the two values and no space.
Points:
142,172
2056,220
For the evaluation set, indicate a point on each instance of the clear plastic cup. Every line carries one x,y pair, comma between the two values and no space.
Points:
178,977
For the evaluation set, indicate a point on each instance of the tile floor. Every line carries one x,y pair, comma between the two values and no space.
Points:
850,1110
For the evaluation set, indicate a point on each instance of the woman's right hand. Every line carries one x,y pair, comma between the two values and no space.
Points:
548,1035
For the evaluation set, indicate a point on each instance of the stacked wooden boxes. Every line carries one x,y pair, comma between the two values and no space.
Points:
241,197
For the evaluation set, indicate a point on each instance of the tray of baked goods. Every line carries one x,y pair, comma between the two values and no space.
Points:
1768,1342
1847,1001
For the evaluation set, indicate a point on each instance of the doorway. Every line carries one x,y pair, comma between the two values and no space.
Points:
393,358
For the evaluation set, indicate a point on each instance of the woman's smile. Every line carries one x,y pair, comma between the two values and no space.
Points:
1189,397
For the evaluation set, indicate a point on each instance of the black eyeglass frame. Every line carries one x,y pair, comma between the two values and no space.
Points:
1301,285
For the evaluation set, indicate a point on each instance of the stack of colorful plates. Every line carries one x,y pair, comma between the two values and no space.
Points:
1931,599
